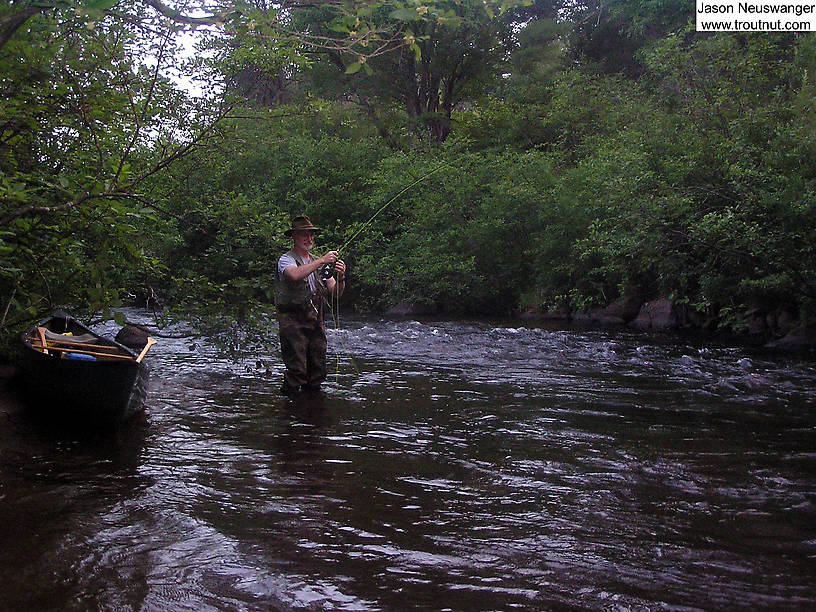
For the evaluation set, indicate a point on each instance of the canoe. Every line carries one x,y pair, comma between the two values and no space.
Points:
74,374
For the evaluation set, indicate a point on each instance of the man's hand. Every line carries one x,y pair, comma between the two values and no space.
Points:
340,268
330,257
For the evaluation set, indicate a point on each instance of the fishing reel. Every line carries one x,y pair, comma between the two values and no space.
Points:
326,272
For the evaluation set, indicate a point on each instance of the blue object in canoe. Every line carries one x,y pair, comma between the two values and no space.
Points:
80,356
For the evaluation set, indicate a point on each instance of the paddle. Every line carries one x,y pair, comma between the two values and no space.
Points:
41,330
150,342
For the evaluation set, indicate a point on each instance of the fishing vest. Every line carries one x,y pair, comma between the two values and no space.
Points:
297,296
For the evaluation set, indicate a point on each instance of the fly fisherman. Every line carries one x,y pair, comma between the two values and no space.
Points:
300,296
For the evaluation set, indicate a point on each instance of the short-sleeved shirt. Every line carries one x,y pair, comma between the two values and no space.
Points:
287,260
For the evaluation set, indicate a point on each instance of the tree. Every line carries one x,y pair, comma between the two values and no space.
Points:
610,34
425,57
89,114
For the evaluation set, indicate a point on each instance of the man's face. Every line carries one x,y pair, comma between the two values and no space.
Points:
304,239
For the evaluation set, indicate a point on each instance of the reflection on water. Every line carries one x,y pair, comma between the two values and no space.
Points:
446,465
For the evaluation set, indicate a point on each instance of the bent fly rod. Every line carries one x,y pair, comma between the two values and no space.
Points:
328,268
389,202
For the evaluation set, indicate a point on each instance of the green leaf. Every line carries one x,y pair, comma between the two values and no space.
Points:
405,15
354,68
101,5
119,318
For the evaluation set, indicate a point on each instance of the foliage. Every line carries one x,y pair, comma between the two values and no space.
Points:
608,36
459,241
698,198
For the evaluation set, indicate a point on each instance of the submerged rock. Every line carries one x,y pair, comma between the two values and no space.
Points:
597,316
404,309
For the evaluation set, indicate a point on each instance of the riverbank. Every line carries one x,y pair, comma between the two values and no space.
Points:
772,328
775,329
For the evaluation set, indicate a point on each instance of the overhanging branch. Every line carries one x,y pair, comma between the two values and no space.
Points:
38,210
9,24
179,17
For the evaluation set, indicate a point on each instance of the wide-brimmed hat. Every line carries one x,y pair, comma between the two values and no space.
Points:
302,223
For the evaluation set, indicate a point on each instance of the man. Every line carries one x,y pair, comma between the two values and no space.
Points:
300,296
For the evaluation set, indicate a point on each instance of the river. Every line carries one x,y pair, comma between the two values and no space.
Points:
446,466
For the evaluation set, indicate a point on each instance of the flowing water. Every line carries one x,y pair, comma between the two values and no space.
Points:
446,466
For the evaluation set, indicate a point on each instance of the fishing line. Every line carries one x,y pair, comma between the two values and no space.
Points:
335,310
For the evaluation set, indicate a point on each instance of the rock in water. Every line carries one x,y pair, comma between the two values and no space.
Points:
133,336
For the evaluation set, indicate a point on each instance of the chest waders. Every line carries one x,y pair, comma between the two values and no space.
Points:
302,330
